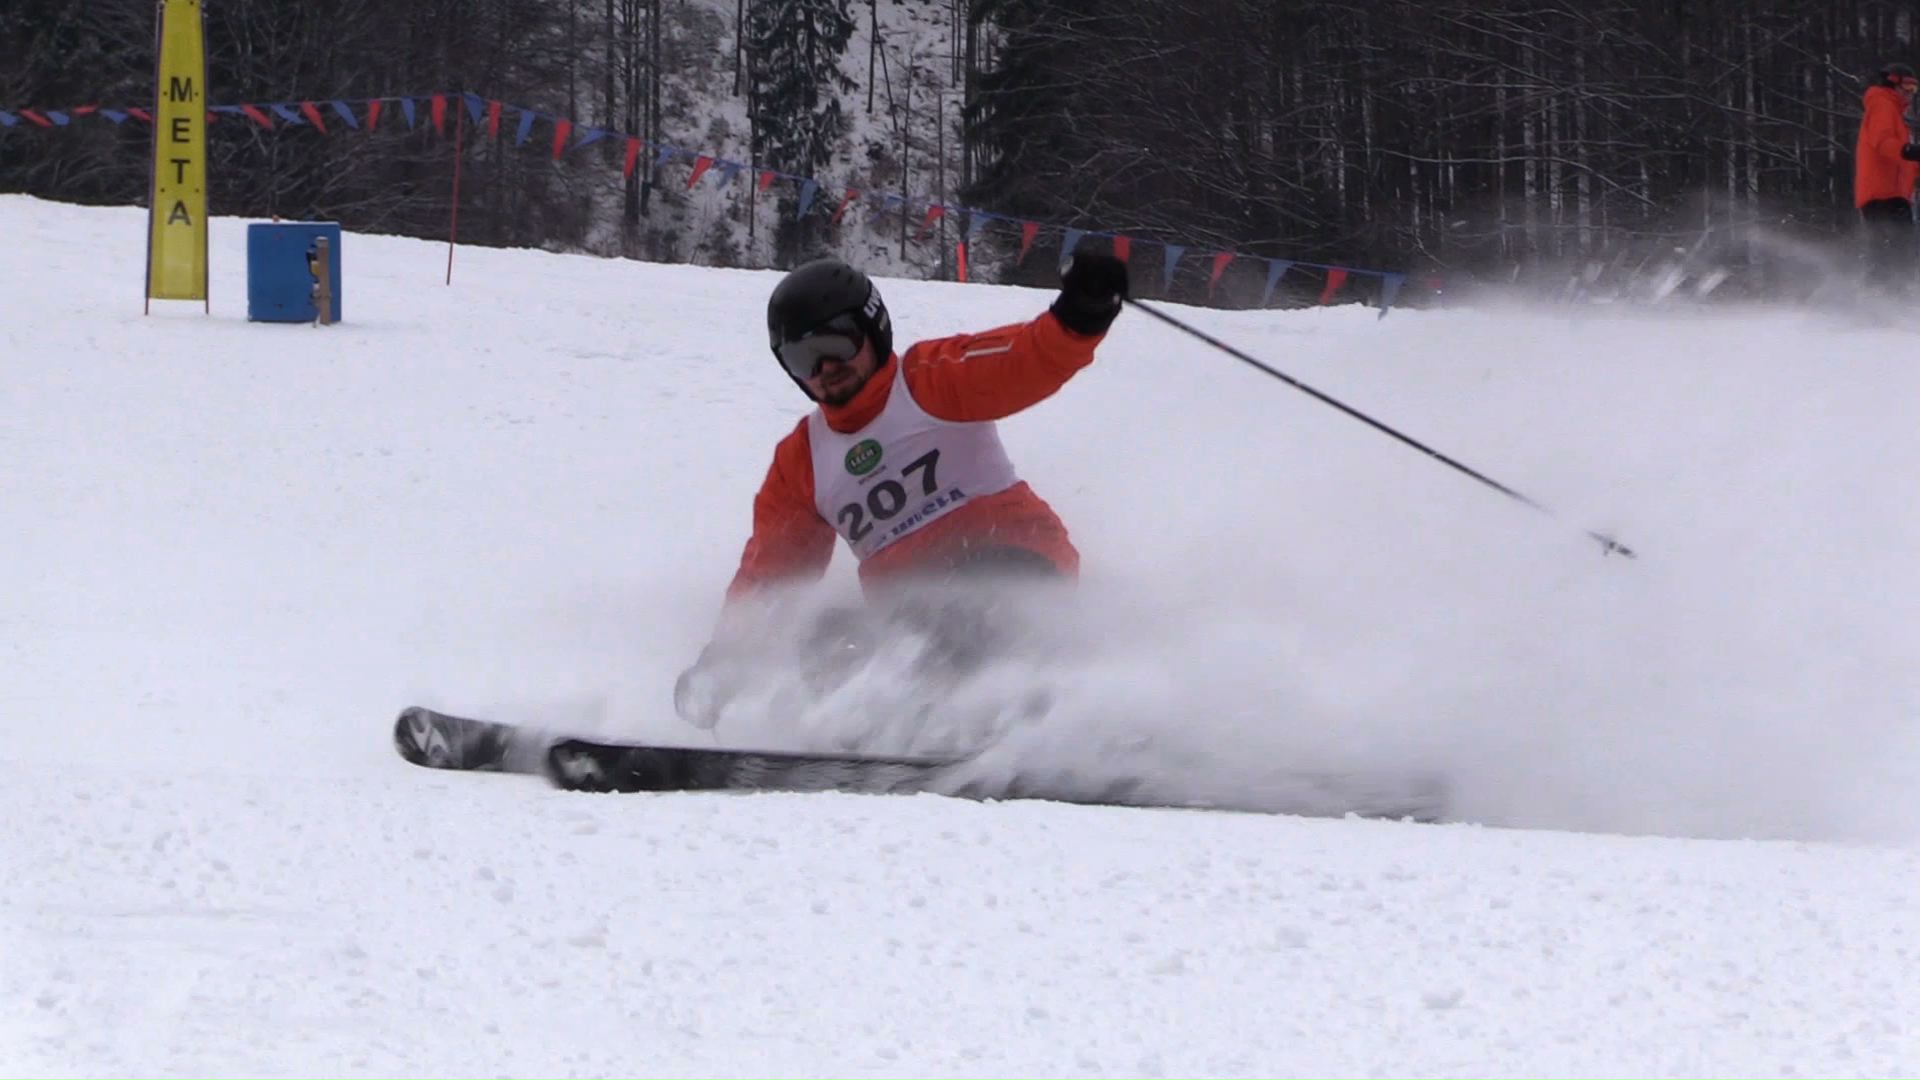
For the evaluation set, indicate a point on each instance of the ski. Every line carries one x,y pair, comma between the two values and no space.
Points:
444,741
438,740
587,765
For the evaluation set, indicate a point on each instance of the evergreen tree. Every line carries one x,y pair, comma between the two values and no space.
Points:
794,50
1018,121
1053,119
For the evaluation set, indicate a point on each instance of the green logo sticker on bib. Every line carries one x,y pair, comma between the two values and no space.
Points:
864,457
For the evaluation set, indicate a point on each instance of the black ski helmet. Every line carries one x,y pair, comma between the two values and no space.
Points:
817,292
1895,73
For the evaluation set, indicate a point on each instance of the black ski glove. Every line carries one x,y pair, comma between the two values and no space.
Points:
1910,152
1091,288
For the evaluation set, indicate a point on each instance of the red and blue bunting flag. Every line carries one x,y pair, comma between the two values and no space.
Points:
1389,290
1028,230
1275,268
1174,251
1220,262
1336,277
934,214
841,210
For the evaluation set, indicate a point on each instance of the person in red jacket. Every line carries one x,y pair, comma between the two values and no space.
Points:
1886,163
901,460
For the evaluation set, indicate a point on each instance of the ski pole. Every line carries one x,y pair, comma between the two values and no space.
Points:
1608,545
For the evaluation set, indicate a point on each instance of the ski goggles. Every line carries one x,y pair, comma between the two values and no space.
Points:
838,338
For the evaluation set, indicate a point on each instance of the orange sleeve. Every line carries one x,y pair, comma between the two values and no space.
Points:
995,373
790,541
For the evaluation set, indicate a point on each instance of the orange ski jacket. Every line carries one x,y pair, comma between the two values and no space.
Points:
1878,171
970,377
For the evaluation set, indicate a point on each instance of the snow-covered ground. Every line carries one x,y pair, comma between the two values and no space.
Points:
231,551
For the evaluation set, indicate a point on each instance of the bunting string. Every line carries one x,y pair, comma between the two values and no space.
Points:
364,115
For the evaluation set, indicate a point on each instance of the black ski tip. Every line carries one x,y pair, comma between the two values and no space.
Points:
437,740
413,737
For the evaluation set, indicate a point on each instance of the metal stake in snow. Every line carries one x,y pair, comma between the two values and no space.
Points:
1608,545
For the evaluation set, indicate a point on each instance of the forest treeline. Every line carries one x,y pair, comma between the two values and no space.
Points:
1476,137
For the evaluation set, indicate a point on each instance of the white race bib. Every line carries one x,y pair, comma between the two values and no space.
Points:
903,471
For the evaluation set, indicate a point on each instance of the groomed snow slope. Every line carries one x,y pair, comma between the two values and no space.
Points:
231,551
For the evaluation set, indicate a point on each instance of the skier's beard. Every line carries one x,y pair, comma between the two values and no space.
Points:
837,392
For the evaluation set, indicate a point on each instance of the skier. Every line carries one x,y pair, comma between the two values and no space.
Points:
1885,165
901,457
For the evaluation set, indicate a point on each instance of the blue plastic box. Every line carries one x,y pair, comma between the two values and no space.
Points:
279,285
